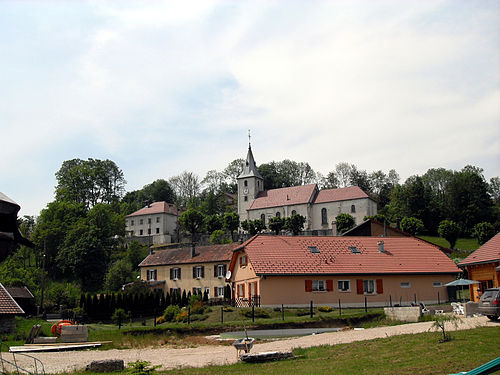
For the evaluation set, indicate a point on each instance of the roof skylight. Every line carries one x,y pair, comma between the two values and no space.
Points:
314,249
354,250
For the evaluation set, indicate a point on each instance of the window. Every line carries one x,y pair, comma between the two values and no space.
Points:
157,230
241,290
149,230
405,284
245,183
246,198
314,249
132,223
243,261
141,232
207,291
198,272
324,217
318,286
294,212
141,221
175,273
344,286
437,284
196,290
219,291
369,286
149,220
353,208
263,218
220,270
151,275
157,219
354,250
278,214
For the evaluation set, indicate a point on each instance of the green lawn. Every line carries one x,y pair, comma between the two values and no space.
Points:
463,247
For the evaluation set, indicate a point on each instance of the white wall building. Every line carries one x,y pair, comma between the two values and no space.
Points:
158,220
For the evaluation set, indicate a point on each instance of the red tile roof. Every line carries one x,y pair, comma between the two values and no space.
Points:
156,208
19,292
204,254
489,252
7,303
285,255
341,194
284,197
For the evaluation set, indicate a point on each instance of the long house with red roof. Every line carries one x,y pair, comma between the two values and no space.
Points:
293,271
319,207
483,265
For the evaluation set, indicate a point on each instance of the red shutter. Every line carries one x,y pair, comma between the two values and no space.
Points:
180,269
202,272
171,273
309,285
215,292
243,290
256,290
241,260
380,286
329,285
224,270
215,270
359,286
194,272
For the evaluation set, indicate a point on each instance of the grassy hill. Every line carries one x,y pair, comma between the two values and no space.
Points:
463,247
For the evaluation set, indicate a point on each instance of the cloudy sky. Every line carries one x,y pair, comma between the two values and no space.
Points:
162,87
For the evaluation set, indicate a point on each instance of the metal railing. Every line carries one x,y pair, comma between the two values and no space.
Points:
11,366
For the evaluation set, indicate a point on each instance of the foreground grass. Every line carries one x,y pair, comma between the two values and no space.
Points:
398,355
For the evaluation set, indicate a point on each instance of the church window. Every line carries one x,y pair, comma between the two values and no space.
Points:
245,183
353,208
324,217
263,218
246,198
278,214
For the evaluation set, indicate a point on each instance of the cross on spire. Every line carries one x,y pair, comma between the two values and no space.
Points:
249,138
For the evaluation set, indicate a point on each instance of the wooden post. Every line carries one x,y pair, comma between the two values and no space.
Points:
253,312
390,300
415,297
340,308
366,306
439,299
189,314
311,309
222,314
282,312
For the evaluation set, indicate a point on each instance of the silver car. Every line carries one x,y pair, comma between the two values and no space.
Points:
489,303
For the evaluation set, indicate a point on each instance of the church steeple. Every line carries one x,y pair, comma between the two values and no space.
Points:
250,167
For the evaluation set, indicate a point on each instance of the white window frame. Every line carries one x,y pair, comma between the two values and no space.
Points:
152,275
241,291
141,221
157,219
198,272
437,284
175,273
197,290
220,291
405,284
243,261
207,290
340,289
319,285
369,287
220,271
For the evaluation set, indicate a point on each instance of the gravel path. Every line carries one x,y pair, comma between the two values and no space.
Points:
218,355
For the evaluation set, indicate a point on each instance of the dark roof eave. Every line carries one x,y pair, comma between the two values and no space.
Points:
180,263
480,262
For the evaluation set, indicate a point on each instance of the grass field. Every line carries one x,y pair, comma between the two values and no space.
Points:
463,247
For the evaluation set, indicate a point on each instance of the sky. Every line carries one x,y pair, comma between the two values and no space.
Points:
160,87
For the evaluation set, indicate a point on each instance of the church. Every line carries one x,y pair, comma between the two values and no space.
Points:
319,207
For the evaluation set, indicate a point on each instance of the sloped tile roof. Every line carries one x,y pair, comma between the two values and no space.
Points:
283,197
204,254
284,255
19,292
7,303
341,194
489,252
156,208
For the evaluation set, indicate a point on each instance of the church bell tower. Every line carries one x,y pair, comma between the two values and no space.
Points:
250,183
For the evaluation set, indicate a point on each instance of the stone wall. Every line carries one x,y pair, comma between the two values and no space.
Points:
405,314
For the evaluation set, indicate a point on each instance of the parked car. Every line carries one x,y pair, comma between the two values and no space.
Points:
489,303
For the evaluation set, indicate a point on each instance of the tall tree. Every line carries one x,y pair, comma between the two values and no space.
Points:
231,222
89,182
295,223
344,222
192,221
186,187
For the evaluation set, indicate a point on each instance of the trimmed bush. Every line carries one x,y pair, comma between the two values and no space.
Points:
259,313
171,312
325,309
303,312
160,320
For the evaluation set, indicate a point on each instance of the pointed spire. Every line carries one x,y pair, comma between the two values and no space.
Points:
250,167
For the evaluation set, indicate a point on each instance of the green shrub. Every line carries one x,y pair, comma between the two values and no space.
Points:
140,368
277,309
227,309
182,317
259,313
325,309
198,308
303,312
171,313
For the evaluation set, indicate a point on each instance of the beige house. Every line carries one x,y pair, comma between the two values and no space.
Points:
275,270
158,221
199,270
319,207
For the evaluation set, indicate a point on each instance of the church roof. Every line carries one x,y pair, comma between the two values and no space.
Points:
340,194
250,167
156,208
308,255
489,252
284,197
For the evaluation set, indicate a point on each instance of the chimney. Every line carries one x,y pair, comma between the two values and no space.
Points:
193,250
381,246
